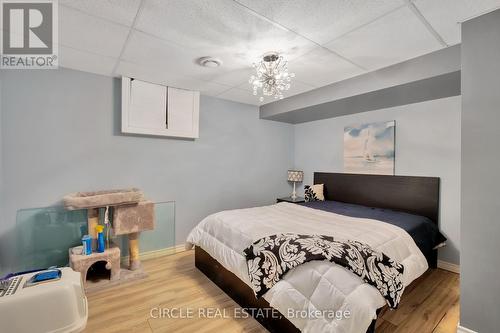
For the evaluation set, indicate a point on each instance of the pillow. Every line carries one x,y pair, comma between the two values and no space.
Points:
314,193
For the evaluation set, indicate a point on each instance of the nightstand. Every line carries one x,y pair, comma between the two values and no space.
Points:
289,199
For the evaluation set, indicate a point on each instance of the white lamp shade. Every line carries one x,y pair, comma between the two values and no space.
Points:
295,175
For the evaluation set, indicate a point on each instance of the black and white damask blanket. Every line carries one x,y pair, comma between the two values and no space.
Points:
271,257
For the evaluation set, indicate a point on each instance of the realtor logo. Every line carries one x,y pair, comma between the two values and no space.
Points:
29,34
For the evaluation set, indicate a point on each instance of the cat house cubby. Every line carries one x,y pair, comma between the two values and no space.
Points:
97,268
131,214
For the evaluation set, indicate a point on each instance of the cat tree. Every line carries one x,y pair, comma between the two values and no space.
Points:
131,215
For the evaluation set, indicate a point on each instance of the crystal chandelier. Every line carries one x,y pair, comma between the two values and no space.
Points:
272,76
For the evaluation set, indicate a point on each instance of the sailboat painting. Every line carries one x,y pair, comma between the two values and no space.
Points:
369,148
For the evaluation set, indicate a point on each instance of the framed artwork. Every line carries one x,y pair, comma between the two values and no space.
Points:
370,148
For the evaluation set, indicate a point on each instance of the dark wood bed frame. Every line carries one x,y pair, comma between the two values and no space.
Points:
415,195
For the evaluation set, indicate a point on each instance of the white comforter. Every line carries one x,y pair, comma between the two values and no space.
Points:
316,285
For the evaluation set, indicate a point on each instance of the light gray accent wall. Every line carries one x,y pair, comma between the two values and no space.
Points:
480,229
60,131
1,158
437,87
427,144
430,65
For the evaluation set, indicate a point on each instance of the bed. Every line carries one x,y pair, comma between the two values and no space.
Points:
392,214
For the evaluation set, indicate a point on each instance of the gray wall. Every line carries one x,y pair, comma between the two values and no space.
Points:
441,86
480,229
427,144
60,133
1,158
3,245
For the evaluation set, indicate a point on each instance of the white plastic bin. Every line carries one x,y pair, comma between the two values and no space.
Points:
52,306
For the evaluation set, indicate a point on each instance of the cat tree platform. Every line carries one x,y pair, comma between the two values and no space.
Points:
98,199
131,215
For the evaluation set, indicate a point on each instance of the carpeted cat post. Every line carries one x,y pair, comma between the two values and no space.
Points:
131,220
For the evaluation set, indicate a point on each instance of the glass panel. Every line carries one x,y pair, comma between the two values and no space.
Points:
163,236
44,235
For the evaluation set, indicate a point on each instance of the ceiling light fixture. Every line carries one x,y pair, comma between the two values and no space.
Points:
272,76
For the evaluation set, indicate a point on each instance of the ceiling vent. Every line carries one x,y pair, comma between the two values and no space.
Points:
209,62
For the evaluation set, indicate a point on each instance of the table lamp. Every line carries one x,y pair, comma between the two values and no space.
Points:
295,176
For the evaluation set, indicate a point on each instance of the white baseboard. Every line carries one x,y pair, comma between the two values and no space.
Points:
157,253
461,329
448,266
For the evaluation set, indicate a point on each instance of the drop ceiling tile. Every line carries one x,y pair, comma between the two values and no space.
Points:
225,75
321,67
146,73
84,61
160,75
296,87
241,96
88,33
322,20
445,15
204,87
119,11
394,38
152,51
222,27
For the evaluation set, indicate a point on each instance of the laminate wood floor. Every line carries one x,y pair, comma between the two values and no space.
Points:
431,305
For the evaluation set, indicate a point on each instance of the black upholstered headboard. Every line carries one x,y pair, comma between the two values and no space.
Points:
415,195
